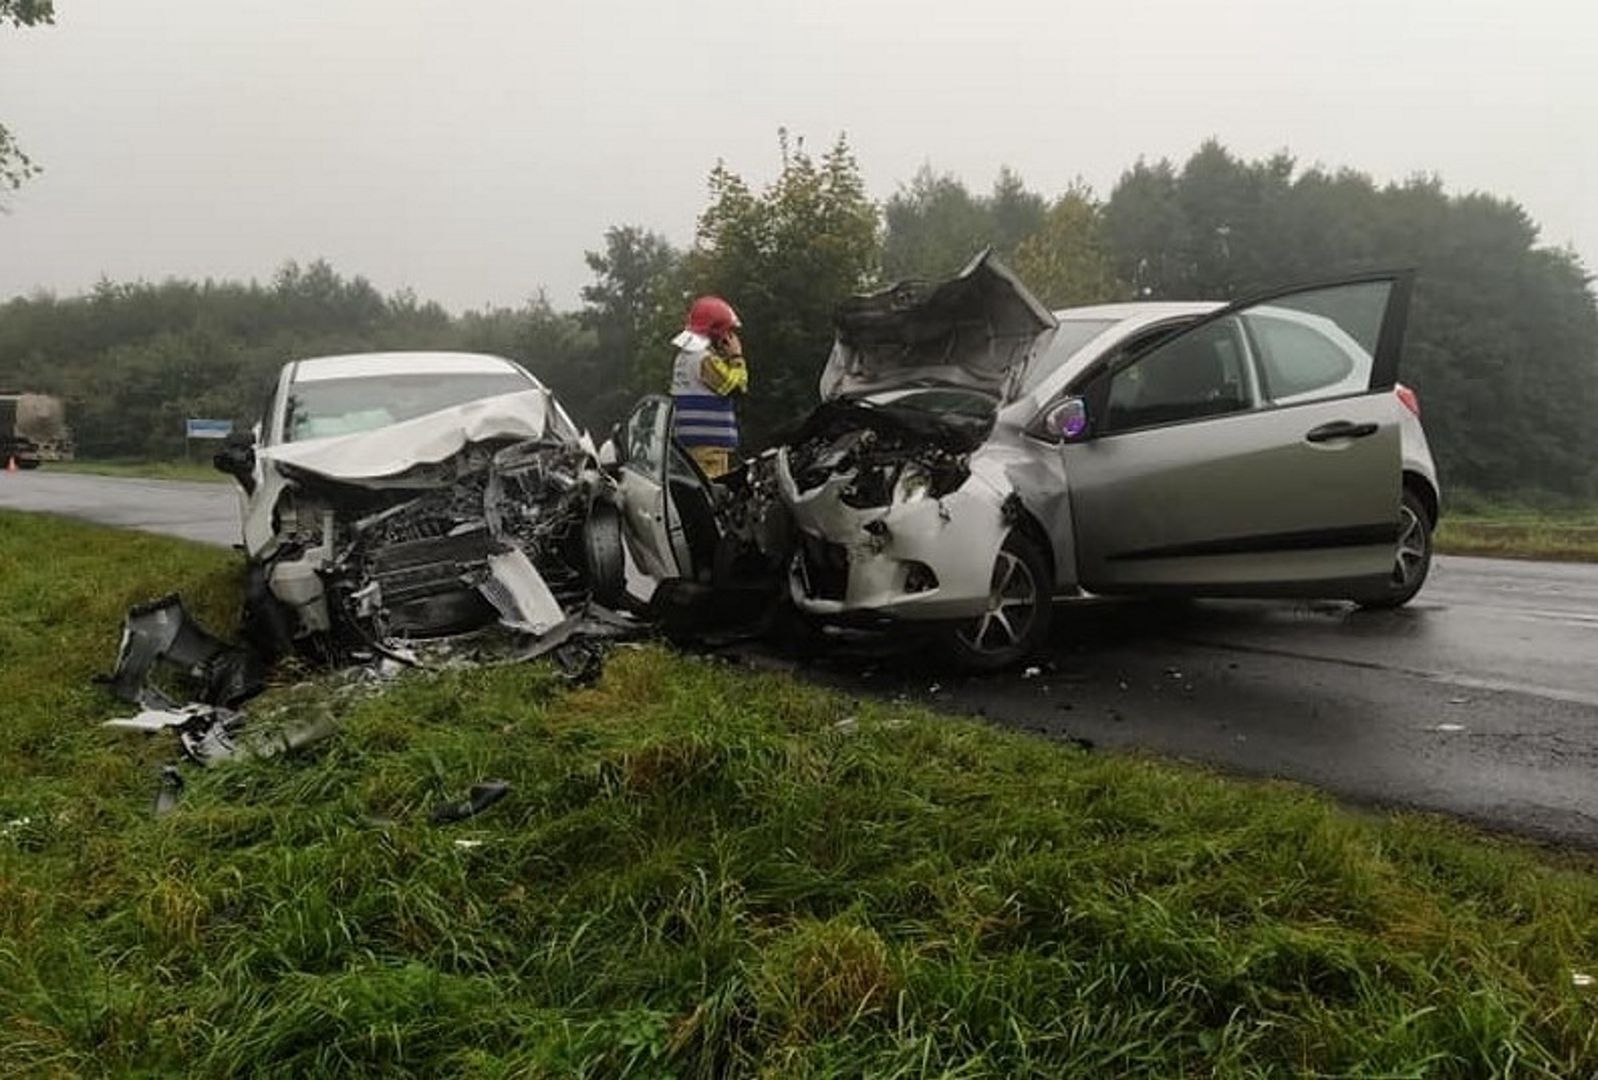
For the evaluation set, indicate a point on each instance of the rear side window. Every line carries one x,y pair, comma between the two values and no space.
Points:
1300,359
1319,343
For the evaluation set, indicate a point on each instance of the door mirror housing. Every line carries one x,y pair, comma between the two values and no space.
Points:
612,451
1065,421
237,458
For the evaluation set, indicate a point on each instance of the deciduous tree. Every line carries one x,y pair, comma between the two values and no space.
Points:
784,256
15,166
1066,262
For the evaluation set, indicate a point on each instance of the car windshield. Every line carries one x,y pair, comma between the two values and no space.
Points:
1068,340
324,407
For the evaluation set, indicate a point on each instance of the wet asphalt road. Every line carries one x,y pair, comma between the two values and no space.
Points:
1479,700
208,513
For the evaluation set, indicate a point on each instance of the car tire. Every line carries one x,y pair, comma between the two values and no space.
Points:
603,557
1016,623
1412,560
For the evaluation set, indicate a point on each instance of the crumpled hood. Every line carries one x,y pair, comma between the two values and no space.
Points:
976,330
426,440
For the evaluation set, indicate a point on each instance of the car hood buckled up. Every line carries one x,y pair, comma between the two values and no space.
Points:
395,449
977,330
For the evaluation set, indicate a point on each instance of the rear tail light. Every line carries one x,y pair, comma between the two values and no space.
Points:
1407,396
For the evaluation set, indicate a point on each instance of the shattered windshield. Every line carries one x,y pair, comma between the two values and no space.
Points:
325,407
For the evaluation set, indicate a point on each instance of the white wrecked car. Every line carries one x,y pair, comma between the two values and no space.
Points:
976,457
393,498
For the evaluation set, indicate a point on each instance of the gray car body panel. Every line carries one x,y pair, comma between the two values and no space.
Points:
1066,496
1058,489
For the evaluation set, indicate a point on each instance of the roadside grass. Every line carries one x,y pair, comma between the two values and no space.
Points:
1518,539
143,469
1539,526
704,872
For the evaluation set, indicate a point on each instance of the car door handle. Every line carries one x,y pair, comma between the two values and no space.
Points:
1340,429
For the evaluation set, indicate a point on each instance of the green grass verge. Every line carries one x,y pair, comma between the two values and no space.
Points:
146,470
1540,526
704,872
1518,539
1531,526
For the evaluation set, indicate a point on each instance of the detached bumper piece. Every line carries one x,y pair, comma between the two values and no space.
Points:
161,638
161,633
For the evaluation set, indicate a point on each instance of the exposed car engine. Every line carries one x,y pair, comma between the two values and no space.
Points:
883,450
508,535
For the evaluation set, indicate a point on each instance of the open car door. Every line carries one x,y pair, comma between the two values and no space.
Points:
669,521
643,442
1256,452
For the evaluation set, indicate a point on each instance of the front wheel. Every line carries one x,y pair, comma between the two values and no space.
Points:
1015,622
1413,559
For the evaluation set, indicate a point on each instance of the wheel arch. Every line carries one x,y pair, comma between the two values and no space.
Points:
1022,520
1425,492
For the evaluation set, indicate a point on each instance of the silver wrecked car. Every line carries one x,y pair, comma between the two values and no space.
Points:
390,499
976,457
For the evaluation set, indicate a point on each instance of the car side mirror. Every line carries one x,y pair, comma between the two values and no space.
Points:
237,458
610,450
1066,421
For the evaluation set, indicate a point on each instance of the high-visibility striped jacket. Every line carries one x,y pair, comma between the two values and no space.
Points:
702,385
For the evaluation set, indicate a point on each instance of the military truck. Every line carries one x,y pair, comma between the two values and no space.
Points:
33,430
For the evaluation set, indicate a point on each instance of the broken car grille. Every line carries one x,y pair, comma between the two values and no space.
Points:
425,583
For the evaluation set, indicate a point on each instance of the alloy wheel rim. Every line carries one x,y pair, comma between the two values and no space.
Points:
1012,605
1411,548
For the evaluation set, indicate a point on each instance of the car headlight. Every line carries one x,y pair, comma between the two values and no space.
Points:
914,483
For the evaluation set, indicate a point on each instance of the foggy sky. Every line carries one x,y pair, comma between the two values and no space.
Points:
473,151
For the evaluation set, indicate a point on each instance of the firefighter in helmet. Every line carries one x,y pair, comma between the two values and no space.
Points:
708,374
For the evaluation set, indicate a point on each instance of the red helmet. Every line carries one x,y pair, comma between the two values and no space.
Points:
712,317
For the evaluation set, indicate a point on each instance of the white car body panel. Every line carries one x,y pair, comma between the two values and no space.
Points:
426,440
396,456
956,536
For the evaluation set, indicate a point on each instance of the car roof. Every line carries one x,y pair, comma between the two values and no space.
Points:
376,364
1142,310
1123,320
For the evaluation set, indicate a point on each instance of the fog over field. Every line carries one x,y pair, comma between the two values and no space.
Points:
473,152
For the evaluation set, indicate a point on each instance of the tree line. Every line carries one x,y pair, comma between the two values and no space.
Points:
1502,344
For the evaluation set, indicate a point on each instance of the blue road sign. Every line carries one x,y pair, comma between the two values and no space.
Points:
207,429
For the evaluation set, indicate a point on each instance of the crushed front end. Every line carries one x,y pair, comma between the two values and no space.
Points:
896,513
890,520
507,535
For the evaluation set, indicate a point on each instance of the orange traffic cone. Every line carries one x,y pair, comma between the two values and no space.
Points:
11,463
